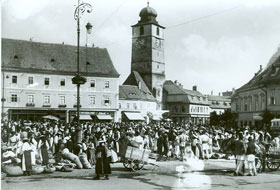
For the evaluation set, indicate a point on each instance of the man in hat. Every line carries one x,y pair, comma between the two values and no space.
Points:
102,160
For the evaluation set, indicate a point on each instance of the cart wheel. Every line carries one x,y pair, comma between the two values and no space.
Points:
273,165
139,164
126,163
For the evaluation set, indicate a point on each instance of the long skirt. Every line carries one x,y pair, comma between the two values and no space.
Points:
45,156
26,161
103,166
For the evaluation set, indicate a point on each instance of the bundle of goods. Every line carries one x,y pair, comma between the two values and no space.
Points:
49,168
67,168
37,169
72,157
12,170
84,161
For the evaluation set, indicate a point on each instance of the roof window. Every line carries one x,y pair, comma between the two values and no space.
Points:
52,60
15,57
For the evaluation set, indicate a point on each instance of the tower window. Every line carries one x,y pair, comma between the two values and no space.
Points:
141,30
158,31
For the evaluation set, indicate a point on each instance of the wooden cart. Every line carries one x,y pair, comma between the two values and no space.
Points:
135,158
273,158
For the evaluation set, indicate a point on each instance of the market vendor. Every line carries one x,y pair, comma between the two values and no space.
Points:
103,160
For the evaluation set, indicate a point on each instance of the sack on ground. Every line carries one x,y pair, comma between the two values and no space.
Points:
11,170
49,168
74,158
84,161
37,169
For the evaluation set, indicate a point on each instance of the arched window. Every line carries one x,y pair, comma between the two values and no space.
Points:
158,31
250,103
141,30
262,103
272,100
257,102
245,104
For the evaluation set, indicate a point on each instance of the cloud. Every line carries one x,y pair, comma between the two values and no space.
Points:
23,9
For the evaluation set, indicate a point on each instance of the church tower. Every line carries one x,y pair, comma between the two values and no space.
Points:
148,51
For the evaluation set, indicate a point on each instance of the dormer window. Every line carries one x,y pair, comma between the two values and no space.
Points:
15,57
88,63
52,60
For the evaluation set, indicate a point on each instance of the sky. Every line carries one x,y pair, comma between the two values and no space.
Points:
217,45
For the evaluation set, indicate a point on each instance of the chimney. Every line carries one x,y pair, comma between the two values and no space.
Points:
194,88
175,82
219,94
211,92
261,68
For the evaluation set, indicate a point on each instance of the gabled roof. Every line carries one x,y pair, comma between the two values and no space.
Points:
130,92
194,97
27,56
134,78
271,74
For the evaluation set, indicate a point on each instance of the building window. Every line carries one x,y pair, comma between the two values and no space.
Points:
120,105
92,100
158,31
30,98
14,98
106,101
62,100
47,81
30,80
92,84
14,79
134,105
127,105
107,84
62,82
47,99
272,100
141,30
183,109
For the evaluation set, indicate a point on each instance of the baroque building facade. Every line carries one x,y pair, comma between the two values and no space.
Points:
261,93
37,81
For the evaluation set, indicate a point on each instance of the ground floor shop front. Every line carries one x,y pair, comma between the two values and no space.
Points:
67,115
195,119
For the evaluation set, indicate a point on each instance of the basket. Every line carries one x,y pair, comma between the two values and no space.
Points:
67,168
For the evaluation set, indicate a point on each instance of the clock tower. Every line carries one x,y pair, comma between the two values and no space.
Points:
148,52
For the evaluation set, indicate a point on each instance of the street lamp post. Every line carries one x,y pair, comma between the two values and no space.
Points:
78,79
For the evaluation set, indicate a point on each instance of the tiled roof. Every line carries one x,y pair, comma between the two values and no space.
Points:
27,56
271,74
134,78
194,97
130,92
219,102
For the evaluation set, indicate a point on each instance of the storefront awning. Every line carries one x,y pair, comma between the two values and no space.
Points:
134,116
104,117
85,117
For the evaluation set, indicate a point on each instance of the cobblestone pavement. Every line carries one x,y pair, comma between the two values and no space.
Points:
216,174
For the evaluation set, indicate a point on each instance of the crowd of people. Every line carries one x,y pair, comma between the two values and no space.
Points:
169,140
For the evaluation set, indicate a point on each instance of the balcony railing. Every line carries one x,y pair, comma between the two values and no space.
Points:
30,105
47,105
62,105
75,105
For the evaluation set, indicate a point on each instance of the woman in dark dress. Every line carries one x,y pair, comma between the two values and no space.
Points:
103,160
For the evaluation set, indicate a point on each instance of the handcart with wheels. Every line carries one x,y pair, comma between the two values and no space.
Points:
273,158
135,158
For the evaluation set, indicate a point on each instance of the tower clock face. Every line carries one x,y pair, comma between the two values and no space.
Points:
140,43
157,43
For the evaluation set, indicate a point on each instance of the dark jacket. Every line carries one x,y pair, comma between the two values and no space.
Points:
240,147
251,149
